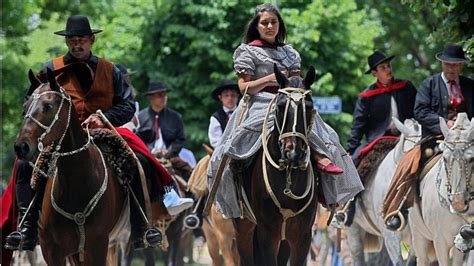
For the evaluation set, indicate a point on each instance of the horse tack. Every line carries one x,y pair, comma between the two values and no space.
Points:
79,217
295,94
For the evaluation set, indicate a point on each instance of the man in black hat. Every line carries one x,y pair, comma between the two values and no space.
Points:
442,95
228,94
445,94
93,83
162,128
386,98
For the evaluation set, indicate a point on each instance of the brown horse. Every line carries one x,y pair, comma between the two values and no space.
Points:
83,200
283,219
219,232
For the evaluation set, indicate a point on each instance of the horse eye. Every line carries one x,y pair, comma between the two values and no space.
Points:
47,107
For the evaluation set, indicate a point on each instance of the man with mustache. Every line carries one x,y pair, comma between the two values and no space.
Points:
443,95
95,83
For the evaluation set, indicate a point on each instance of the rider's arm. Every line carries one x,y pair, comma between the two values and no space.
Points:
180,139
214,132
427,117
123,106
359,122
254,86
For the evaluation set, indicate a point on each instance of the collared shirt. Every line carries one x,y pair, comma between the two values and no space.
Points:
215,129
123,104
446,82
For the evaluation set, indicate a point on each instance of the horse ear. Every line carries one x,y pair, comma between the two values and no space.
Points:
401,126
444,127
310,77
34,82
281,79
53,84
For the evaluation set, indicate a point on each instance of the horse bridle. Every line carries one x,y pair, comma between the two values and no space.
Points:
295,94
79,217
457,154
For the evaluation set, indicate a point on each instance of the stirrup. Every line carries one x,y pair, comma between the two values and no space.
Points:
400,216
191,218
149,234
21,245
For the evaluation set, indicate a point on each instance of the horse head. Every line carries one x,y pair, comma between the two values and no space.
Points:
45,112
458,158
293,117
410,134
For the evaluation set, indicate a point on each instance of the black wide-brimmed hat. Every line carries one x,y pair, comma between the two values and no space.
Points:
76,26
376,59
155,87
225,85
452,53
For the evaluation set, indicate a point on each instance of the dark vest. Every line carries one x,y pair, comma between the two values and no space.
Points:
100,94
221,117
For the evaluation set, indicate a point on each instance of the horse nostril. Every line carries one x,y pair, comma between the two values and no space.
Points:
22,150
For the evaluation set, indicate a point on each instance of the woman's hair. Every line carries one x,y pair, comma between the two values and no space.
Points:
251,32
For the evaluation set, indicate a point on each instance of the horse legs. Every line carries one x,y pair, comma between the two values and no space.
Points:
212,244
392,244
356,243
244,234
225,234
442,252
283,253
300,243
422,247
268,239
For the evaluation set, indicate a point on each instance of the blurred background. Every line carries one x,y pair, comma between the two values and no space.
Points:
189,45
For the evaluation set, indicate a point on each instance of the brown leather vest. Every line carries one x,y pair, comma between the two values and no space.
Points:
99,96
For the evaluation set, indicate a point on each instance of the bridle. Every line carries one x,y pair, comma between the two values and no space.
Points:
294,95
79,217
457,153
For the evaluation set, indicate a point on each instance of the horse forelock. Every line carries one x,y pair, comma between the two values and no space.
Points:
296,82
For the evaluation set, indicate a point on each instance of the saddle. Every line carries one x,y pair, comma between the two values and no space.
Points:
113,148
373,155
116,153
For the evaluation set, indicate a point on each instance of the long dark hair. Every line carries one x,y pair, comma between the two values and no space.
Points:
251,32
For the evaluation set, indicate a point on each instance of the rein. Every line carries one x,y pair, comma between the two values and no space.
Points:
79,217
295,94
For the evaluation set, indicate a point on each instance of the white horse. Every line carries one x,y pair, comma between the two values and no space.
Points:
368,229
446,194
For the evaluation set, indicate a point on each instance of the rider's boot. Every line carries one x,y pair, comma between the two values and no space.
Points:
397,221
27,236
174,203
143,235
325,165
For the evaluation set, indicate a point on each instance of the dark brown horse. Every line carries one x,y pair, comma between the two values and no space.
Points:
83,200
280,183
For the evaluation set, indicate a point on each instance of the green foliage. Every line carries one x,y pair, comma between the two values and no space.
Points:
189,45
451,22
336,39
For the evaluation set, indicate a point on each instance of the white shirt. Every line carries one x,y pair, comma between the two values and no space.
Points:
215,130
394,112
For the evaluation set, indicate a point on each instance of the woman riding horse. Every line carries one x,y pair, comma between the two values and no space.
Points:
253,61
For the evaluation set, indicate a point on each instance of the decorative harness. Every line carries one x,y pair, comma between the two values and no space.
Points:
457,153
79,217
295,95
